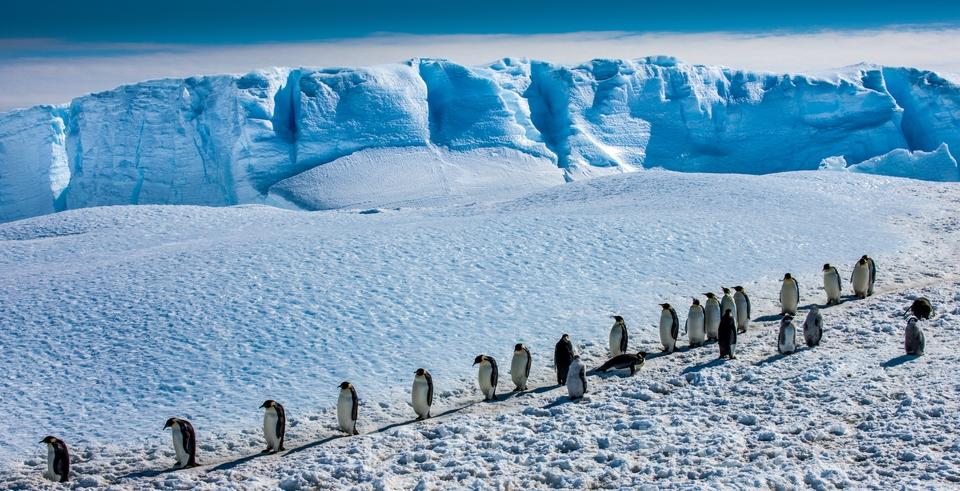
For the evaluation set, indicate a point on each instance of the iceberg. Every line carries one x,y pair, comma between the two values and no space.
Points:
265,136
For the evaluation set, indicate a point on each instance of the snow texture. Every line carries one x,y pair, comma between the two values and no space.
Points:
120,317
264,137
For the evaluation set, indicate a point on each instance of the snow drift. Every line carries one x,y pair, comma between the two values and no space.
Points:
225,139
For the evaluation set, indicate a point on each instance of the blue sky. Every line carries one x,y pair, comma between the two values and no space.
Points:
249,21
52,51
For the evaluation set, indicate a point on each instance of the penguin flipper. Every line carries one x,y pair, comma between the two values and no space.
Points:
494,374
429,389
355,410
529,361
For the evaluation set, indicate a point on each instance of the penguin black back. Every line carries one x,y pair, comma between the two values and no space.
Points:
562,356
921,308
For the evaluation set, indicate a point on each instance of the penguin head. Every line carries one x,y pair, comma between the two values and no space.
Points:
738,288
480,359
787,276
727,313
912,320
862,261
710,295
787,317
420,372
826,266
345,385
642,355
865,257
696,301
518,347
50,440
170,423
269,403
665,306
616,318
565,337
725,290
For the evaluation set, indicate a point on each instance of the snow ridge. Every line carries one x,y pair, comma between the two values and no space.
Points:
228,139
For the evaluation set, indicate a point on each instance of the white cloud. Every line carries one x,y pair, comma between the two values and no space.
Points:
69,70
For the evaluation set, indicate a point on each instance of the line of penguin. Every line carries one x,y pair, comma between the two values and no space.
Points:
703,323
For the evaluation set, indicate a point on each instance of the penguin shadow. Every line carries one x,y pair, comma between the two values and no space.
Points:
707,364
777,357
561,401
234,463
148,473
900,360
414,421
768,318
315,444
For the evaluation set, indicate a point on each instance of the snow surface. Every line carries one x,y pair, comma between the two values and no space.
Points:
231,139
938,165
120,317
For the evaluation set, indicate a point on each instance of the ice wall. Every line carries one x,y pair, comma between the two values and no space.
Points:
222,140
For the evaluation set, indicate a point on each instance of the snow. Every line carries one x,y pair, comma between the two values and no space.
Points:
121,317
938,165
230,139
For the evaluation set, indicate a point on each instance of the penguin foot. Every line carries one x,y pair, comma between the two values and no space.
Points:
192,465
733,357
266,450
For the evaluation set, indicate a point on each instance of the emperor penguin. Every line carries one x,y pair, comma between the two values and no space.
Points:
913,339
695,332
787,340
711,316
487,376
348,408
422,393
274,425
520,366
727,303
669,327
832,284
727,336
58,460
184,442
626,360
576,378
813,327
921,308
618,336
789,295
742,301
562,356
861,278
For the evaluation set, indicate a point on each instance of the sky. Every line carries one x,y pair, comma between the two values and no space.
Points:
55,50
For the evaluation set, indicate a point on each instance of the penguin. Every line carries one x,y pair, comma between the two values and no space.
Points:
727,303
669,327
274,425
873,273
727,336
813,327
562,355
921,308
694,326
742,302
860,278
711,316
348,408
487,376
58,460
913,337
625,360
618,336
576,379
789,295
787,340
832,284
184,442
422,393
520,367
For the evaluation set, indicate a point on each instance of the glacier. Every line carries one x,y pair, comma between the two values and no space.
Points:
431,130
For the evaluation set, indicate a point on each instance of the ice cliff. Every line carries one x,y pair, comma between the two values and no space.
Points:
432,129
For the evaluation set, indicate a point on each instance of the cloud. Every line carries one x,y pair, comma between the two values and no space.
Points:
49,71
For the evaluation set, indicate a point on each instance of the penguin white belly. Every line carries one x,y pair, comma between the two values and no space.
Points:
861,280
345,411
789,339
419,398
742,317
51,454
666,326
788,297
518,369
616,336
728,303
695,332
484,377
831,282
270,429
574,384
182,457
712,319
